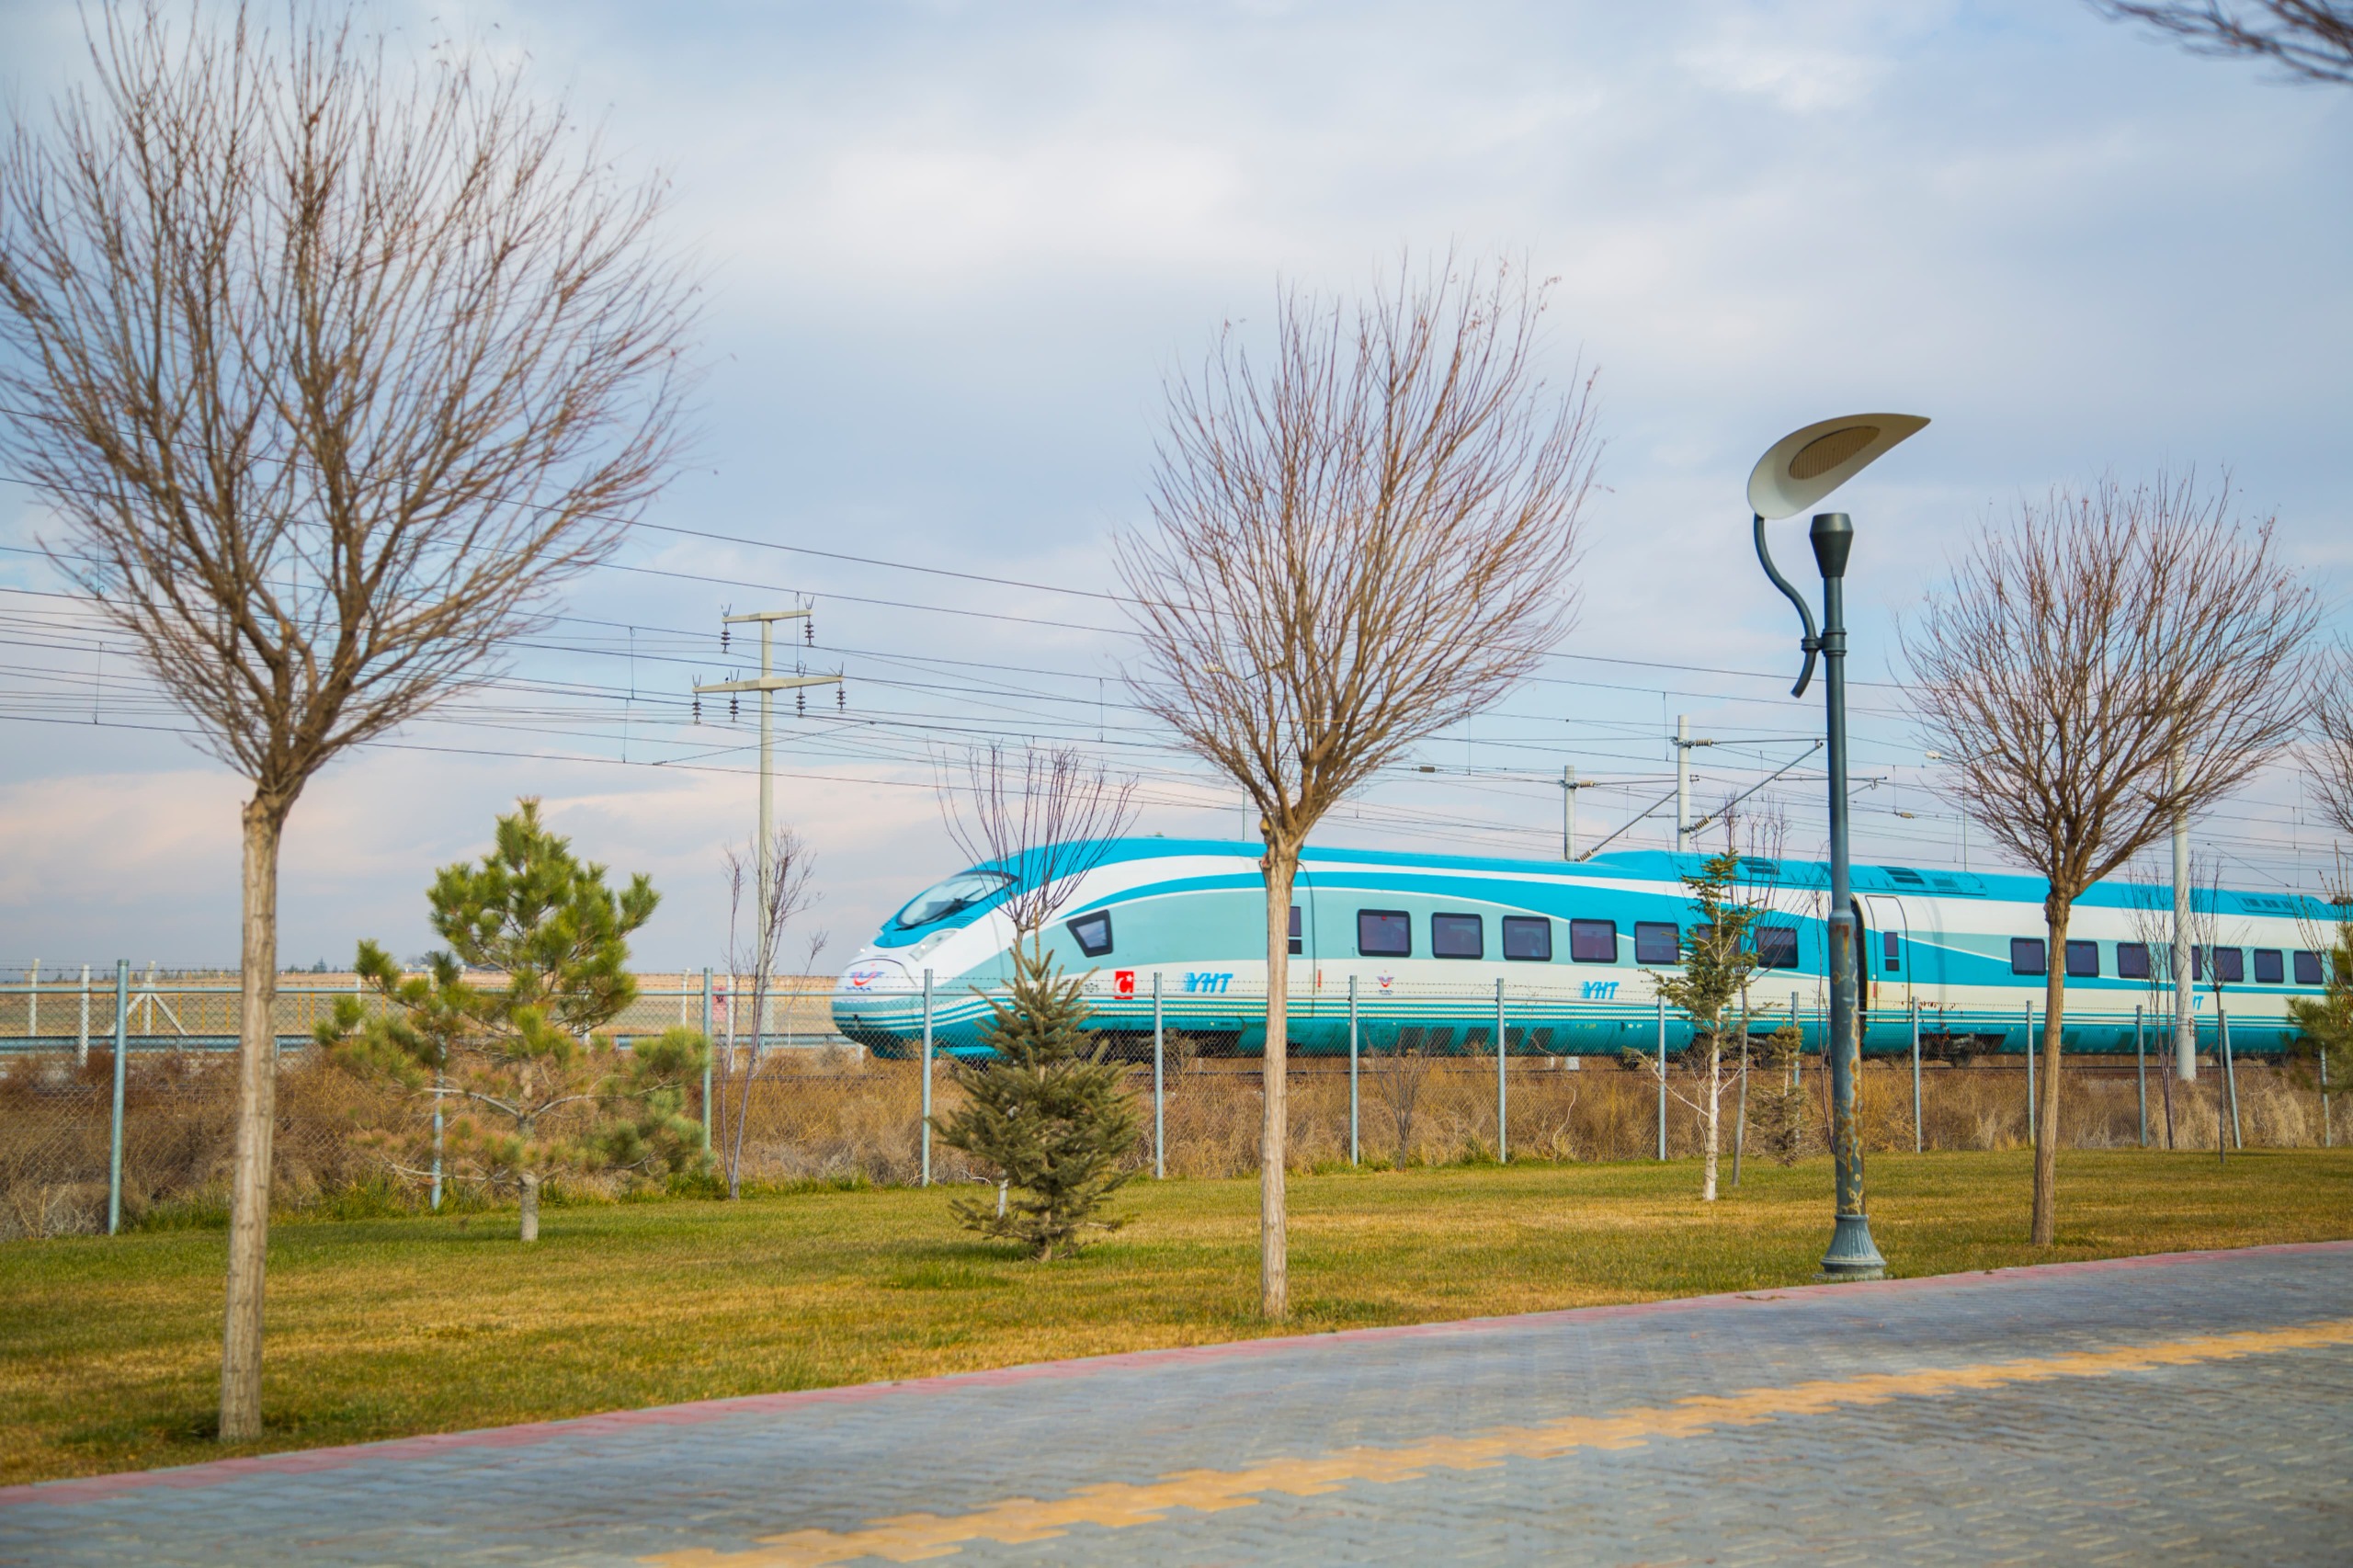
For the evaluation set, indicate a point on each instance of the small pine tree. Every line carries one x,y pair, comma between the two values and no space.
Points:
1047,1111
1777,1101
2324,1023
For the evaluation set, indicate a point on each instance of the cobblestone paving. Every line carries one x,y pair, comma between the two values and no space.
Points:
2199,1408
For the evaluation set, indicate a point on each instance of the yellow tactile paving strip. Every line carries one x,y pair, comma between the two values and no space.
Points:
910,1537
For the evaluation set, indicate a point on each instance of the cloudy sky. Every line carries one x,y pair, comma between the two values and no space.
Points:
953,252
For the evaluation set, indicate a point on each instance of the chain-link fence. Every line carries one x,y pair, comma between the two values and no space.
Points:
1424,1086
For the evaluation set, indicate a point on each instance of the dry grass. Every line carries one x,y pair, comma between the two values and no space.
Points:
385,1327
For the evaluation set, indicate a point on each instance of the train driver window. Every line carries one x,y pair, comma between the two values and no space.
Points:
2268,968
1384,934
2028,957
1657,941
2133,961
1298,935
1777,947
1527,939
1893,945
1458,937
2083,961
2307,966
2229,965
1093,932
1593,941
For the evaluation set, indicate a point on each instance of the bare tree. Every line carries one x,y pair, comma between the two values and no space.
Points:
777,904
2310,39
2074,654
1357,547
330,368
2328,749
2152,915
1043,815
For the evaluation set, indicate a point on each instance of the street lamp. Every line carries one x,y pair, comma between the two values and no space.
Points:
1798,470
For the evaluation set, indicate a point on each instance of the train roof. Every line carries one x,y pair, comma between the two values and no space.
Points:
1659,865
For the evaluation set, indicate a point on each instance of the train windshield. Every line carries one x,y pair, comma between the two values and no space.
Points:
956,895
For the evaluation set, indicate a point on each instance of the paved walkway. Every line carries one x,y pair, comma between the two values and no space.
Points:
2198,1406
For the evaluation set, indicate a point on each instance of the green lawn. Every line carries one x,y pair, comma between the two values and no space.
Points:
386,1327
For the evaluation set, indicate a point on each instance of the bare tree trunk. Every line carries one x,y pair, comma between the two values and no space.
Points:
1281,865
2046,1128
1714,1114
265,826
530,1230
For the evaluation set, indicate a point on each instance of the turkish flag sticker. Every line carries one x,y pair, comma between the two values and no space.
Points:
1123,982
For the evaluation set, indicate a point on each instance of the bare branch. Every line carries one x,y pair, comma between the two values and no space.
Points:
2312,40
1045,815
2328,751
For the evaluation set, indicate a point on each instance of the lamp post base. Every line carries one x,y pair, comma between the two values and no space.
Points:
1851,1254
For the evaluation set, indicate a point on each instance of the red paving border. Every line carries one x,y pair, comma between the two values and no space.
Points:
307,1461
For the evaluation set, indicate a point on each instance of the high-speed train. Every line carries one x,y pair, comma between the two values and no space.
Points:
1408,950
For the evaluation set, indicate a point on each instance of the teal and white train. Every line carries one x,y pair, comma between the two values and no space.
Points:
1423,942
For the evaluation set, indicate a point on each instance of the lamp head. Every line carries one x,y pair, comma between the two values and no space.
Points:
1833,536
1806,465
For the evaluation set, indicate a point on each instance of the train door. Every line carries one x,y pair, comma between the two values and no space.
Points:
1887,951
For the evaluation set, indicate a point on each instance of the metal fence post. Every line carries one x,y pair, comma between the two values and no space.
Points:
927,1079
32,1002
439,1082
1159,1085
1503,1093
2141,1072
2229,1071
2327,1137
1919,1139
122,1056
2030,1072
1356,1150
82,1042
708,1051
1661,1077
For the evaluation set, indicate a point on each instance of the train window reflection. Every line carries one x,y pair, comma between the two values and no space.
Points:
1092,932
2307,966
953,896
2083,961
2133,961
1777,947
1593,941
1384,934
1657,941
2028,956
1458,937
2269,968
1528,938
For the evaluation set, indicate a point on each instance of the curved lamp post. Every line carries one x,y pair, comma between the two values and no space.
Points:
1798,470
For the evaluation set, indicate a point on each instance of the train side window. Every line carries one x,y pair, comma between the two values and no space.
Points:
2229,965
1384,934
1092,932
1593,941
1894,946
1657,941
1297,932
1458,937
2083,961
1777,947
2307,966
2133,961
1528,938
2270,970
2028,956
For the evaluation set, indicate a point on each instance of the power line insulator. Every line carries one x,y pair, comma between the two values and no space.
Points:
724,633
841,697
799,702
808,631
731,707
698,710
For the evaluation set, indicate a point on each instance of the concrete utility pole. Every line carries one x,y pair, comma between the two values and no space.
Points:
767,686
1683,747
1568,814
2185,1024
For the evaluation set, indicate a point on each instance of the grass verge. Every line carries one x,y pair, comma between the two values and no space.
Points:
386,1327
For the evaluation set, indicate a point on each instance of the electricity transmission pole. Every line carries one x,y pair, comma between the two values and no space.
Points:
1683,744
768,684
